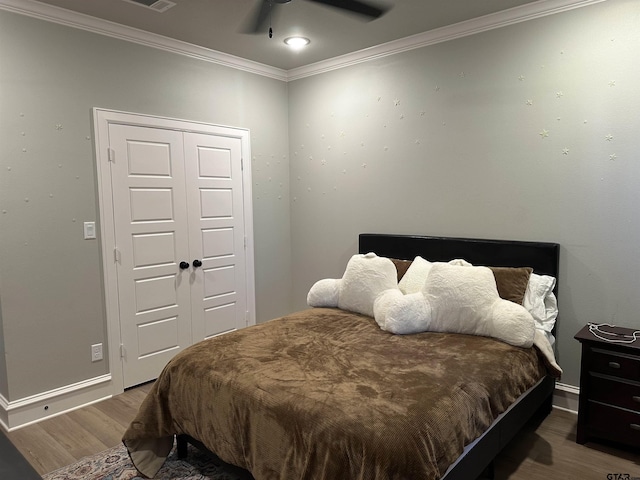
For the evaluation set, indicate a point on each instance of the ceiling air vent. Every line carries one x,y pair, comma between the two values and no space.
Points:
160,6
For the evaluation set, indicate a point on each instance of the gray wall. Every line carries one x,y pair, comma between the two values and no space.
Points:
438,140
443,141
50,78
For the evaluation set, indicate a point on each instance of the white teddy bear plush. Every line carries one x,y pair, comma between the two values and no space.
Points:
365,277
456,299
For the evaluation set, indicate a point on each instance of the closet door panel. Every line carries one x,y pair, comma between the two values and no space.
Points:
216,233
150,211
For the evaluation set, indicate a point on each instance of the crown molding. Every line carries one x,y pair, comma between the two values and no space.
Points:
523,13
69,18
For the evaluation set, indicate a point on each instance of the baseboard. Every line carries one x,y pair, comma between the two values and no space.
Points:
565,397
28,410
4,412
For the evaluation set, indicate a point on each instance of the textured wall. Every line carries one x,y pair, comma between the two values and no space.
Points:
50,78
526,132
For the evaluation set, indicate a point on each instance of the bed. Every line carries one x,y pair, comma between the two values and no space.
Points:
326,394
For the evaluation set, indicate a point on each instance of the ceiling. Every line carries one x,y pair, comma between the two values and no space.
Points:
218,24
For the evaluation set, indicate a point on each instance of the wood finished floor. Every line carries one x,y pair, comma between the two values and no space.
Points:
545,451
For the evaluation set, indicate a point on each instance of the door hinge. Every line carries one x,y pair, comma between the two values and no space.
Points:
122,350
111,153
241,163
245,242
247,315
116,255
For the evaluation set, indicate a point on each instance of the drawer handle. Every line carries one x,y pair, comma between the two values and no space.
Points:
614,364
636,398
634,426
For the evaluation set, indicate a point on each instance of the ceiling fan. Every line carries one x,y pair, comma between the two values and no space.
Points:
261,17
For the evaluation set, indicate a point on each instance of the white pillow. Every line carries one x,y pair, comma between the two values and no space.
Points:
417,273
415,276
401,314
541,302
466,300
456,299
365,277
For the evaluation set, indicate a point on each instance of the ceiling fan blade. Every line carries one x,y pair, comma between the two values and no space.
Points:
258,21
356,6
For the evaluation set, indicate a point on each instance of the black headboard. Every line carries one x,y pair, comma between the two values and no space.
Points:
542,257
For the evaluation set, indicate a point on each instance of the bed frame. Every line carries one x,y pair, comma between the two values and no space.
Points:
477,459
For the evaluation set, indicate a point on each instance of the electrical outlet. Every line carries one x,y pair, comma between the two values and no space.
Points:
96,352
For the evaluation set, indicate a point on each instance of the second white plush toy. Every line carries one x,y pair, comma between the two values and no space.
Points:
456,299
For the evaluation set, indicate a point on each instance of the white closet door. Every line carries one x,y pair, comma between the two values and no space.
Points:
216,233
151,231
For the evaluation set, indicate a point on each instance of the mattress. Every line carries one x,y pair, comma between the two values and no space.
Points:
325,394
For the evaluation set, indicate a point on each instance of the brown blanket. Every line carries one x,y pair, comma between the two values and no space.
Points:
325,394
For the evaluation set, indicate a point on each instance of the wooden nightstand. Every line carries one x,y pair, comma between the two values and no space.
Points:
609,405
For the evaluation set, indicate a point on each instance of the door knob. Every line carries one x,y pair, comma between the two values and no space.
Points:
197,263
184,265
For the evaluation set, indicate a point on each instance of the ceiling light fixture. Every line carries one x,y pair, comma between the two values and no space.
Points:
297,42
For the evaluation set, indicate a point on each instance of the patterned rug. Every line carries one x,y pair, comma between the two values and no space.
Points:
115,464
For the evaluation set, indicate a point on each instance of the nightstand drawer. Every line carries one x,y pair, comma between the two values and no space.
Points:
613,392
610,363
614,423
609,386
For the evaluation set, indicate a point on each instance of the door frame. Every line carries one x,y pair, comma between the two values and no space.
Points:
102,118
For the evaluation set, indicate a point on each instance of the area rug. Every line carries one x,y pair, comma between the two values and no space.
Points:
115,464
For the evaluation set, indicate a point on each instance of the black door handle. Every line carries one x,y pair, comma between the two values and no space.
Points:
184,265
197,263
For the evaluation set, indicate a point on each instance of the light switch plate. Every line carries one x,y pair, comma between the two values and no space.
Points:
89,230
